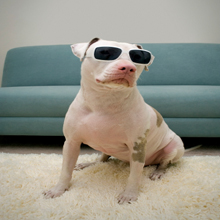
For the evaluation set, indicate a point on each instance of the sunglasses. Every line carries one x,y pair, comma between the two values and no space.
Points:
109,53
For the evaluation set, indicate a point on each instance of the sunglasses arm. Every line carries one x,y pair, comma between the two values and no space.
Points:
151,61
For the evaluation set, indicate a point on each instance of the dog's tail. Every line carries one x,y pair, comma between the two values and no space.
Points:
192,148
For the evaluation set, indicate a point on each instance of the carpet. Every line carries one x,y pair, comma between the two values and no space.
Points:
190,189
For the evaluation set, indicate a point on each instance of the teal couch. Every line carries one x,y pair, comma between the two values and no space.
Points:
40,82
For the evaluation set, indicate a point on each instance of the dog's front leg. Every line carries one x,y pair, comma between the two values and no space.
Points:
132,188
70,155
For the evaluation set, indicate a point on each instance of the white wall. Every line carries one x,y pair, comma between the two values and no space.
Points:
42,22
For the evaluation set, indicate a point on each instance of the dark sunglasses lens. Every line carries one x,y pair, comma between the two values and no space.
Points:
140,56
107,53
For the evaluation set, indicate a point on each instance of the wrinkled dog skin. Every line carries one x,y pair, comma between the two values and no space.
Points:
110,115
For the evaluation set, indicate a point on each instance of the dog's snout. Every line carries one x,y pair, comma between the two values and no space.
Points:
127,68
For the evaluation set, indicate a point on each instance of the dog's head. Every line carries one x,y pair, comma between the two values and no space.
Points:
112,64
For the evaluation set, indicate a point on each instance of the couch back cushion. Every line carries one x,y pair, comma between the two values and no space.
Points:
174,64
183,64
41,65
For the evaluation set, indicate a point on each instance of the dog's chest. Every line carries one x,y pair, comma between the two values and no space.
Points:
103,127
105,132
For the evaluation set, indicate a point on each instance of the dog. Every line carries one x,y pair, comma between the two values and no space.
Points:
110,115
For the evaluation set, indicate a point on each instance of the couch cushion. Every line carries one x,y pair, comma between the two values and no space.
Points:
44,126
184,101
174,64
36,101
53,101
41,66
183,64
47,126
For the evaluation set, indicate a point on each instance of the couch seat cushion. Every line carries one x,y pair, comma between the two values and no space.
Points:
54,101
183,101
36,101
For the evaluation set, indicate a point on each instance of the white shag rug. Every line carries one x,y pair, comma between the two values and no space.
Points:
189,190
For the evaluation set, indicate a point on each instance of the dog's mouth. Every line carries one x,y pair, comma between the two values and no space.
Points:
121,81
124,81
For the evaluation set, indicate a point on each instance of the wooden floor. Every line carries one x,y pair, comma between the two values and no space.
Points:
49,145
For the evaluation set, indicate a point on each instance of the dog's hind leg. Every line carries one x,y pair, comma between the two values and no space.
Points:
81,166
169,154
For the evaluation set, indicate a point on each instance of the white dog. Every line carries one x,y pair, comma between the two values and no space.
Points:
110,115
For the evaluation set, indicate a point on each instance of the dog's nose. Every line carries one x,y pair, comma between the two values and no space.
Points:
127,68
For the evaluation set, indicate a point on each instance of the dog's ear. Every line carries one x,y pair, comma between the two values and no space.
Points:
139,46
151,61
80,49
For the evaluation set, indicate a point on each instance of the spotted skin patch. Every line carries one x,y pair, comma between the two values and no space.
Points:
139,148
159,118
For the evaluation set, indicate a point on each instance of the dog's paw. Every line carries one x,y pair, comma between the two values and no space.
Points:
81,166
54,192
127,197
157,174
